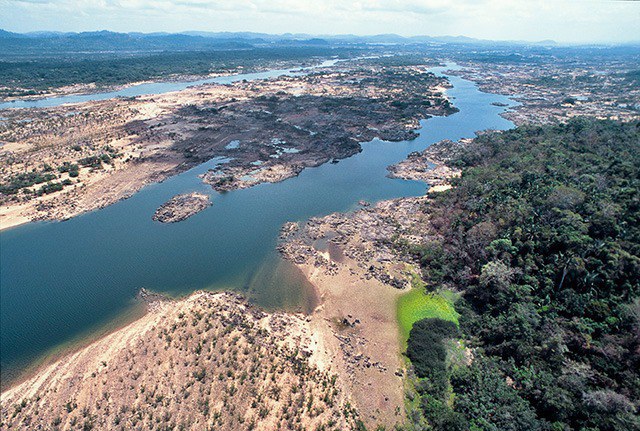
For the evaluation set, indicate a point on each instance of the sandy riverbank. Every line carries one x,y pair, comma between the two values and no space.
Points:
11,216
352,334
210,360
359,276
357,326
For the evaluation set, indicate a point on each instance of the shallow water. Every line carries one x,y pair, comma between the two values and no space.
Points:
60,280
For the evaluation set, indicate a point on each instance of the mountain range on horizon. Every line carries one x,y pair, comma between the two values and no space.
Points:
51,43
266,37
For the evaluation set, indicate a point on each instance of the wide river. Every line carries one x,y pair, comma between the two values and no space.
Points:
61,282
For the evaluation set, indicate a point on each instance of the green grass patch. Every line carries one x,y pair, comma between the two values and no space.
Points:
417,305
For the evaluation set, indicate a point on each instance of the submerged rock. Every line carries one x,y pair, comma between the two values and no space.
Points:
181,207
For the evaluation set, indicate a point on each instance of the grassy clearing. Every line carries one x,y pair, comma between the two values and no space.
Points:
417,305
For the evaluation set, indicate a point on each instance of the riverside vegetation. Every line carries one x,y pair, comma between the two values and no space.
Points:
539,236
528,277
530,264
542,237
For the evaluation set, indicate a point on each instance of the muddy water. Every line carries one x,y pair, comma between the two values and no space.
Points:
61,281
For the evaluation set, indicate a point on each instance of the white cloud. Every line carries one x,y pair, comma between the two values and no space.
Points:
563,20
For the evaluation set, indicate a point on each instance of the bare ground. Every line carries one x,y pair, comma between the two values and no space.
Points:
352,261
210,361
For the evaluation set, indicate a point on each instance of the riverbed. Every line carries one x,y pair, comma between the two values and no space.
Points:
64,281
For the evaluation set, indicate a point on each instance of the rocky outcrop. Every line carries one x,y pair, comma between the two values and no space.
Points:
181,207
429,165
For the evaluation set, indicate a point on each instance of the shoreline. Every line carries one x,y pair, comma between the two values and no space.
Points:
295,341
360,283
157,139
355,324
135,312
335,345
178,78
11,218
117,193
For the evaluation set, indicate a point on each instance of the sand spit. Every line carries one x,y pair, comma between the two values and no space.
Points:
211,361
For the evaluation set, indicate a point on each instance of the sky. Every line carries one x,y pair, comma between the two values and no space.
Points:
568,21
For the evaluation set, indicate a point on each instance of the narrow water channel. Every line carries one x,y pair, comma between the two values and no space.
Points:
148,88
62,280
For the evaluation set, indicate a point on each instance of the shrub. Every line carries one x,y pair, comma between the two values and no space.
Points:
428,354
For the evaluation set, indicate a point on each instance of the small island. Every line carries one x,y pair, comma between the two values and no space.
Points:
181,207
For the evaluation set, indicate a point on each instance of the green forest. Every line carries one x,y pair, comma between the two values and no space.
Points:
541,236
30,77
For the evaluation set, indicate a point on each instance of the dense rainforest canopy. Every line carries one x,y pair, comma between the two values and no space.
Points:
541,235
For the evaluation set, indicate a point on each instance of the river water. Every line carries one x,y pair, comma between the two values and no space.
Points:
60,281
158,87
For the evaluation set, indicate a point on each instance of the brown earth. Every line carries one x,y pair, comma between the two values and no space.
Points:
210,361
353,262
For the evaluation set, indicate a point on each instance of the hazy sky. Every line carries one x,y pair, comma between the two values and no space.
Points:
561,20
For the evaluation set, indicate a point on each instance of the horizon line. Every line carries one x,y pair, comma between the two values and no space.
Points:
323,35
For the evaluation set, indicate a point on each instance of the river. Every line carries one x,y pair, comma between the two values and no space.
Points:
60,281
148,88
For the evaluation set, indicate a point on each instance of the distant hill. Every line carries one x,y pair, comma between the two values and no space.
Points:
195,37
7,34
105,42
16,45
108,43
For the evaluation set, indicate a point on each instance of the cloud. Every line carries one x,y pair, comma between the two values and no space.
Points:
428,7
